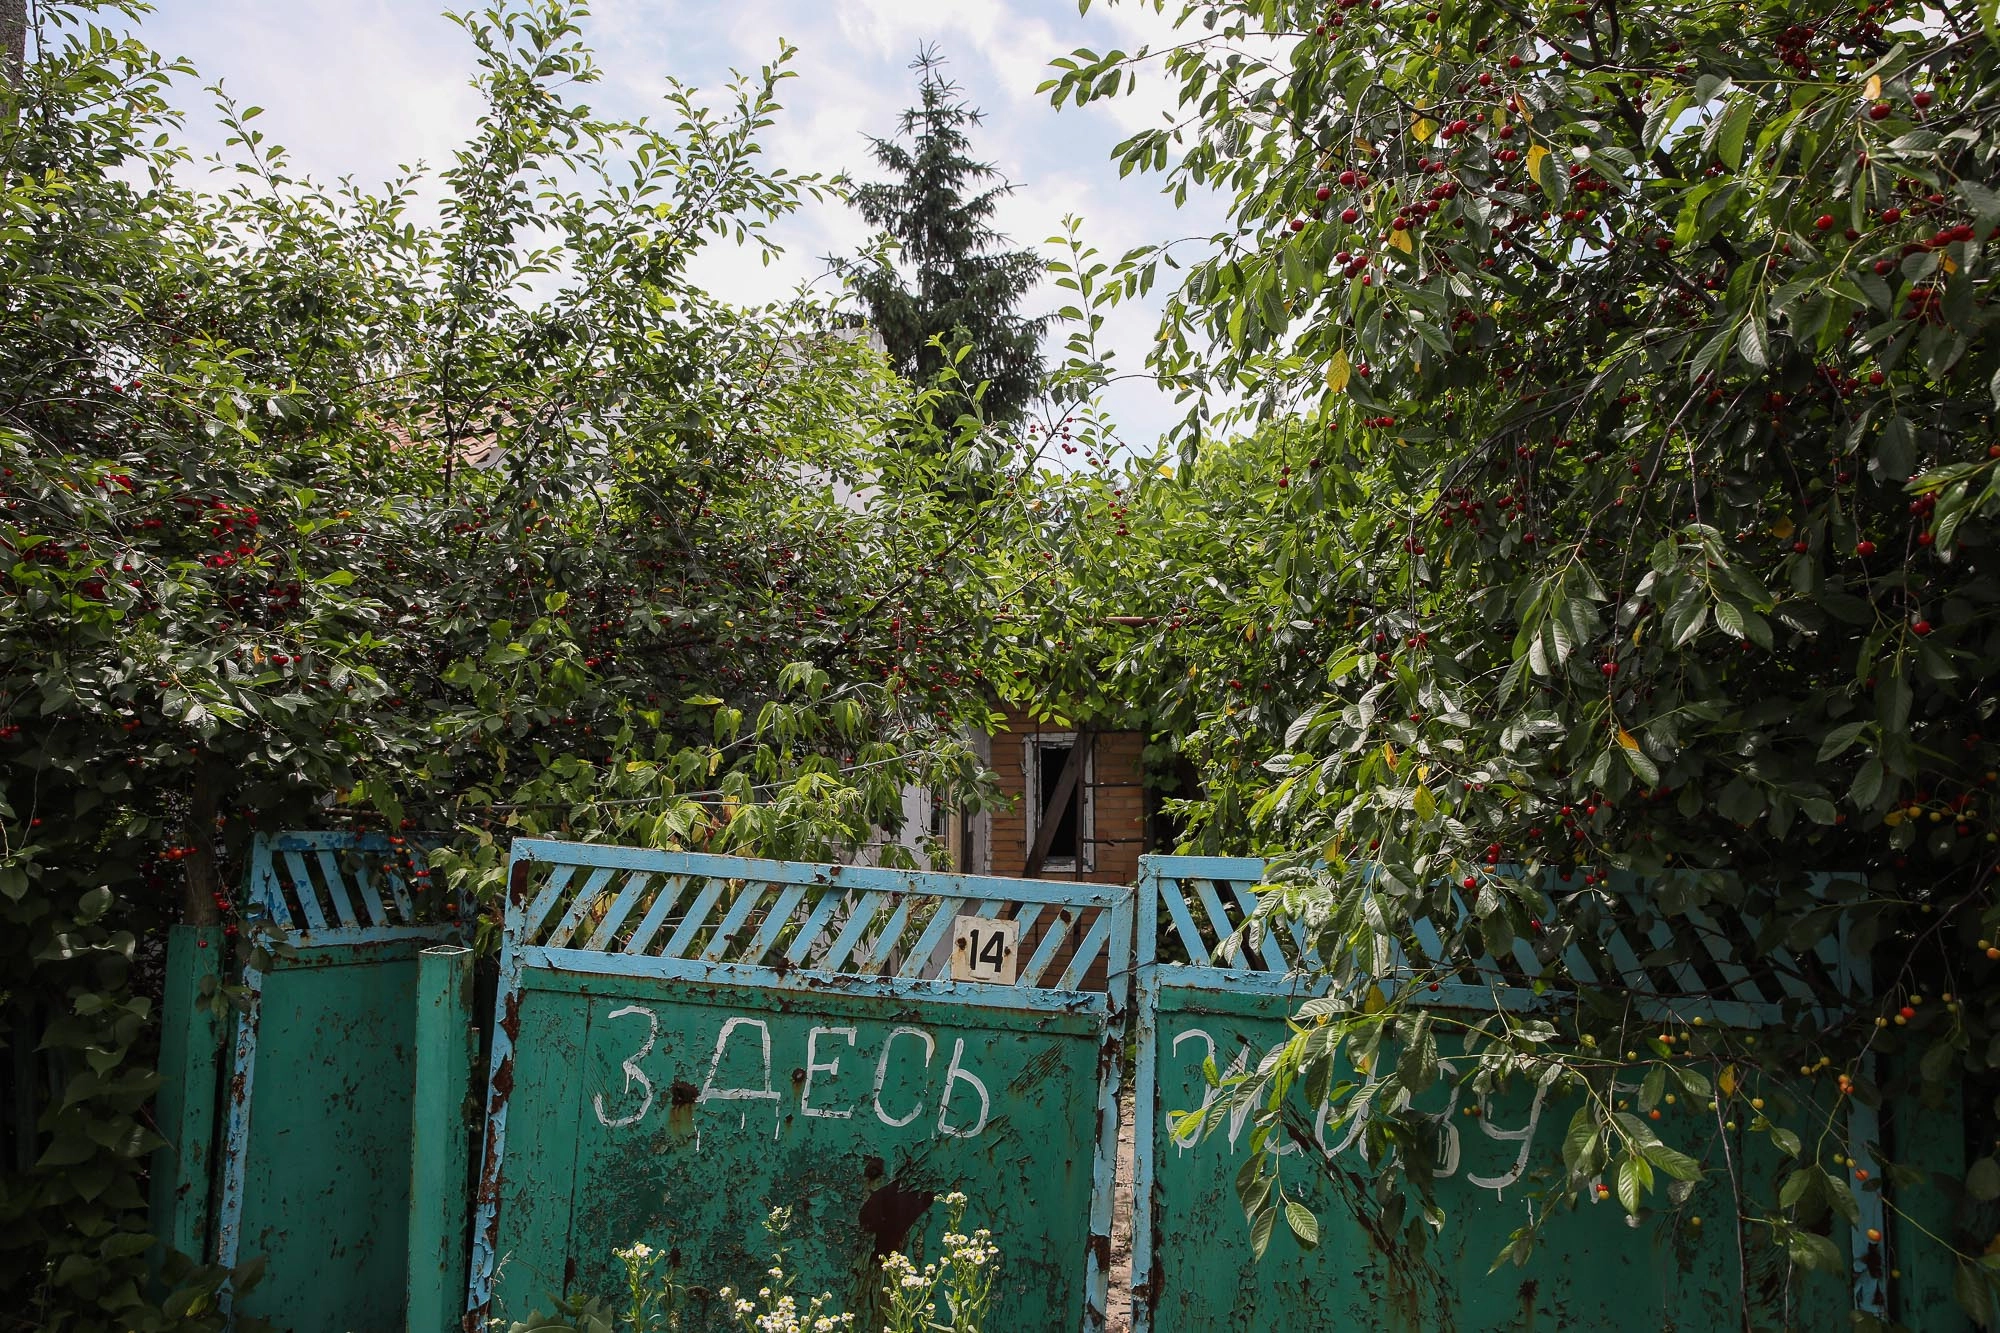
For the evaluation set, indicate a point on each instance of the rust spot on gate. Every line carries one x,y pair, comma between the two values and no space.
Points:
681,1099
510,1017
1529,1290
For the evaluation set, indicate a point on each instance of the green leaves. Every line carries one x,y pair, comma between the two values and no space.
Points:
314,517
1636,492
1304,1226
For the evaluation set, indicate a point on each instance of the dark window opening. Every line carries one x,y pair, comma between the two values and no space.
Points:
1049,763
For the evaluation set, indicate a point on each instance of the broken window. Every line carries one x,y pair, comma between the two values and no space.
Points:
1069,841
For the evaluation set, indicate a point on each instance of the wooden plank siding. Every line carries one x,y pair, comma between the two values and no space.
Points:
1118,831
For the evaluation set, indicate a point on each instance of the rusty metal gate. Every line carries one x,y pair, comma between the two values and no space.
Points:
685,1042
1193,1270
323,1102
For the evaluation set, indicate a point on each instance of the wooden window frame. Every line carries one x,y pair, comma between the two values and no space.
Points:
1032,747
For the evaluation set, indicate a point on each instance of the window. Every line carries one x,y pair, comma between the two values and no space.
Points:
1070,843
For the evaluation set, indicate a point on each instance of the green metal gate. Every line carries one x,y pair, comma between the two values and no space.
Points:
686,1042
327,1117
1193,1271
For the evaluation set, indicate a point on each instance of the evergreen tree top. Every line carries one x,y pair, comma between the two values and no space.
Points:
952,278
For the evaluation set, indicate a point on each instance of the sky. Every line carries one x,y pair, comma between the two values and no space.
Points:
361,87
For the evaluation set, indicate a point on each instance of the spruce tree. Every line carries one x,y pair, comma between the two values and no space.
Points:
952,279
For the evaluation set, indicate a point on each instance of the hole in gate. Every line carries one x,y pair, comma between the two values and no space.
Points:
890,1209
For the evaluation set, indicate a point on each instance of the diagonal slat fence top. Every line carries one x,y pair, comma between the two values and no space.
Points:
1194,910
724,918
328,887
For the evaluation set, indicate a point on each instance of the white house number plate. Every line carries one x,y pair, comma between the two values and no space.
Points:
983,949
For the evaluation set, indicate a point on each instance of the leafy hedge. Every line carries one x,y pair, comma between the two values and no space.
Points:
1590,465
317,512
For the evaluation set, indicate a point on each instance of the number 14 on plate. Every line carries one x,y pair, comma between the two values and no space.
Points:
985,949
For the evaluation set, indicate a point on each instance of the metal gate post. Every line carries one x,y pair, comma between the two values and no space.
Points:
190,1066
440,1192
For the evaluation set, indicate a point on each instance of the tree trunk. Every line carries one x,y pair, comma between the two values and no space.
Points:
13,40
204,880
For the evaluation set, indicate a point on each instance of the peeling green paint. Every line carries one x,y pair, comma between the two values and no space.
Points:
681,1114
1592,1271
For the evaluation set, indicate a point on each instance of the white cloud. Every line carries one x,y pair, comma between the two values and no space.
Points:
362,86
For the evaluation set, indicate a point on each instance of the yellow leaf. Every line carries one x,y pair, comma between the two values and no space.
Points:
1874,88
1337,372
1367,149
1389,753
1535,155
1401,240
1782,528
1638,632
1374,1002
1250,634
1423,802
1423,773
1628,740
1423,129
1950,266
1726,1080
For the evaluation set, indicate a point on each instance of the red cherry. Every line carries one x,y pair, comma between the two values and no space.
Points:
1926,538
1323,193
1469,882
1864,548
1921,628
1879,111
1876,377
1892,215
1802,547
1907,1012
1350,215
1824,222
1513,62
1348,178
1486,80
1922,100
1298,224
1884,267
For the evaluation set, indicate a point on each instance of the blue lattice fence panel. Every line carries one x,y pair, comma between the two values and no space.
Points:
685,1042
1210,992
319,1104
